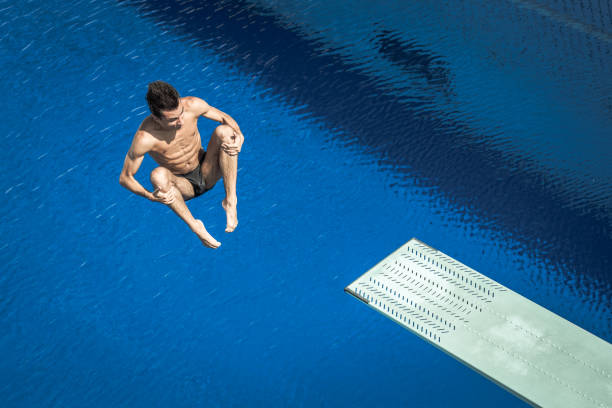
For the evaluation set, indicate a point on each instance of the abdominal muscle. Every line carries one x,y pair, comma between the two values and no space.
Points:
180,156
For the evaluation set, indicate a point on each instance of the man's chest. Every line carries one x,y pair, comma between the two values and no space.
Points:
185,139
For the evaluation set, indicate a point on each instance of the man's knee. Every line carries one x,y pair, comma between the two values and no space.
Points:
224,133
161,177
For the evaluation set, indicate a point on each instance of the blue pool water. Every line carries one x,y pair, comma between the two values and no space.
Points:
481,128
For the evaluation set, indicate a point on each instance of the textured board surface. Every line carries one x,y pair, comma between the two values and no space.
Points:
534,353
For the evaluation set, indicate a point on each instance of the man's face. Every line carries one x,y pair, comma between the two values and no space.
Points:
173,119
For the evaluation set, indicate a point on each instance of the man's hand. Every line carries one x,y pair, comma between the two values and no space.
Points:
234,147
164,198
226,120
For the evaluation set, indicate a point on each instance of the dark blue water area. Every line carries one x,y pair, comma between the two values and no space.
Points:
482,130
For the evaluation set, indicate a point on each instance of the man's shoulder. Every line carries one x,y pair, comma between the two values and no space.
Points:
196,105
145,135
147,129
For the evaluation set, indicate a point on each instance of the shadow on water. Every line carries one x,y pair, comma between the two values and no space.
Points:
411,59
419,144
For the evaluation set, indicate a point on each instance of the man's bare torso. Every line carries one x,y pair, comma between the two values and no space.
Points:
173,140
176,150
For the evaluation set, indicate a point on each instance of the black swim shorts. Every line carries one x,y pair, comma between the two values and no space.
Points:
196,179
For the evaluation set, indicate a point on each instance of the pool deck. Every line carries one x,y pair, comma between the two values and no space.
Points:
535,354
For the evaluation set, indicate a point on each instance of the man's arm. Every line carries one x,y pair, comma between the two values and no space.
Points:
212,113
133,159
204,109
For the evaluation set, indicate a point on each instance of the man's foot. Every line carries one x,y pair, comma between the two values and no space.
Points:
231,214
204,236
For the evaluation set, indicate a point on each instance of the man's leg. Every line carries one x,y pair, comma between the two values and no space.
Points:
219,164
164,181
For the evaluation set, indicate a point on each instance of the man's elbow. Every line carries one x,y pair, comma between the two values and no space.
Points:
123,180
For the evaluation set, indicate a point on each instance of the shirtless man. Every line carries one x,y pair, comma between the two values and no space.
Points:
170,135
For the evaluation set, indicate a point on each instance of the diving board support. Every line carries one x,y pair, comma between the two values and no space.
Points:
532,352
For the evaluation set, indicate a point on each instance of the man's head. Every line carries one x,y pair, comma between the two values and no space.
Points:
165,104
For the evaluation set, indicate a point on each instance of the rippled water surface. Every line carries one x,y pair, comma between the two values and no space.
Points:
482,128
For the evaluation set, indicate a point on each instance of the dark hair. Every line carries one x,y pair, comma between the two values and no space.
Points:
162,96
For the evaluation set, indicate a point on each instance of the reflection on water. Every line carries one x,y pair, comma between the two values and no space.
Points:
479,127
590,17
505,177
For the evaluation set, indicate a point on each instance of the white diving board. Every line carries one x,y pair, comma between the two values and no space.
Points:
532,352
